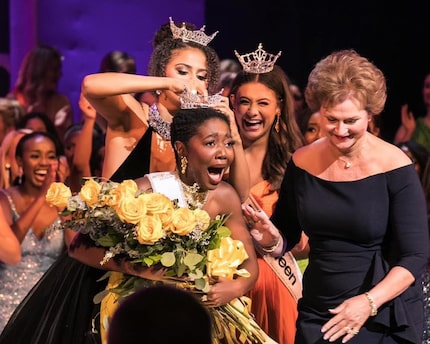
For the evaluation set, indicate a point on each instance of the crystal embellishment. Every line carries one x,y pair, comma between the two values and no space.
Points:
258,61
193,100
158,123
197,36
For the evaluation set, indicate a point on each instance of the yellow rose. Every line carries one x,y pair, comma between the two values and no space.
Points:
224,261
131,209
202,218
128,188
158,203
149,230
58,195
183,220
90,192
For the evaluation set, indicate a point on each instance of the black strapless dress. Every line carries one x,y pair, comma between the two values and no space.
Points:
60,309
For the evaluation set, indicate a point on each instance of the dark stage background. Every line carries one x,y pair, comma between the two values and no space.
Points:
396,37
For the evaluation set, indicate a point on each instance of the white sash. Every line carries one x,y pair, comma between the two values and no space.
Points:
288,272
167,183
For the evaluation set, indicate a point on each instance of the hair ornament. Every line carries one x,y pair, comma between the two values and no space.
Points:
258,61
192,100
197,36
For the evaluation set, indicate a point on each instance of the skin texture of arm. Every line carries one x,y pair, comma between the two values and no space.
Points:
10,248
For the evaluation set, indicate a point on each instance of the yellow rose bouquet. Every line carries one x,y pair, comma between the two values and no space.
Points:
149,229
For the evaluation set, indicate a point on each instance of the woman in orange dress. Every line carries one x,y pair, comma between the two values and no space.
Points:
264,112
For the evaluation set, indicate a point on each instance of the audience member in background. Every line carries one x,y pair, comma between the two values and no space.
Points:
228,69
417,129
9,167
36,88
310,125
10,113
264,111
31,219
361,203
173,316
39,121
10,248
420,157
84,147
119,62
299,100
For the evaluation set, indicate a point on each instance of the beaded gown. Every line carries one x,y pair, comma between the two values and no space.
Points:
60,308
360,230
37,256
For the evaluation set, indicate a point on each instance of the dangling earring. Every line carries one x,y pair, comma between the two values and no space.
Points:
157,92
21,172
277,124
184,164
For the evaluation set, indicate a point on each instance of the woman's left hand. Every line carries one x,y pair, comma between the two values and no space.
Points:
348,318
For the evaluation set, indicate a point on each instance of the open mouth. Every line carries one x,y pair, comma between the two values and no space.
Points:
216,174
252,124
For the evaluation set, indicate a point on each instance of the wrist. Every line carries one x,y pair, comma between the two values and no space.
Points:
372,304
272,248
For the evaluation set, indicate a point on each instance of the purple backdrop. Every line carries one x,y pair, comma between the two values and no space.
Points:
84,31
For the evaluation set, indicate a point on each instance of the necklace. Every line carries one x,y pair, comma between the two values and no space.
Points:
157,123
194,198
347,163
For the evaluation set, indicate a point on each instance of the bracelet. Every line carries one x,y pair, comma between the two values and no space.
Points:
272,248
373,308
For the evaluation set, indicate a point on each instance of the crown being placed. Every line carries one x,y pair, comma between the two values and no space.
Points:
258,61
197,36
193,100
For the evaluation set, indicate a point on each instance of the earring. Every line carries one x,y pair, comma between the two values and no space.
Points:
21,172
157,92
277,124
184,164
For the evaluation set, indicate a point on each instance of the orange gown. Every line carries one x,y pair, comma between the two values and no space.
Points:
274,307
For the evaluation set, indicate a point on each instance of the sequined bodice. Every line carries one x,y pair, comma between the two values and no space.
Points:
37,256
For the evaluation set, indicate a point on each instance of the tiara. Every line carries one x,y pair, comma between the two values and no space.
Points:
197,36
258,61
193,100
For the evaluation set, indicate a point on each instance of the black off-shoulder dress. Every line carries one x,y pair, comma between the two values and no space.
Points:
357,231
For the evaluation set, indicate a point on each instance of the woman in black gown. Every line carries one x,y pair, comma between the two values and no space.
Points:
360,201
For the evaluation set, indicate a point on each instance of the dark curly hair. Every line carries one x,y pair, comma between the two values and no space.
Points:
164,46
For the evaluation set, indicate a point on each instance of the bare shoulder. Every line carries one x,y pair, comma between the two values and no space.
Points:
307,156
389,155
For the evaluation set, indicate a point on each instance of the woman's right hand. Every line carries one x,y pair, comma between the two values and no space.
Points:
260,227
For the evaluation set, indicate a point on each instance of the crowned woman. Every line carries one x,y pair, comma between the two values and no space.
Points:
203,146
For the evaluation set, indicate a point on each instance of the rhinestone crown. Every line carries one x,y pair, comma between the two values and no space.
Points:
197,36
258,61
192,100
